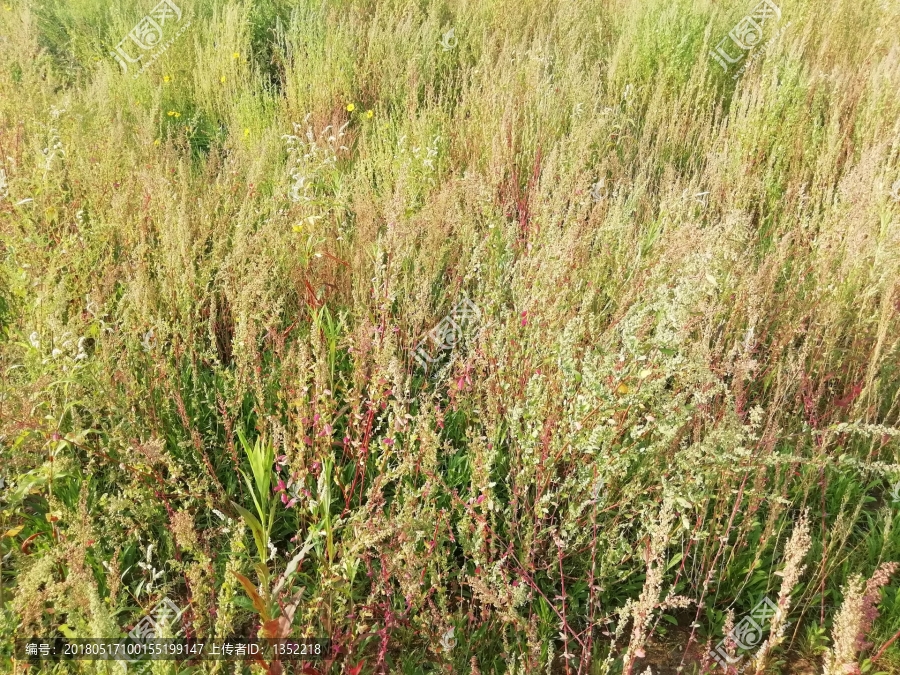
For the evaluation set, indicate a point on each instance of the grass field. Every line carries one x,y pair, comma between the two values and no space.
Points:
653,250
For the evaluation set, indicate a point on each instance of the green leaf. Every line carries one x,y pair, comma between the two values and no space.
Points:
256,528
674,561
259,509
67,631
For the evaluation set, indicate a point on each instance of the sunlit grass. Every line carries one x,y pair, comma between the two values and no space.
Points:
214,274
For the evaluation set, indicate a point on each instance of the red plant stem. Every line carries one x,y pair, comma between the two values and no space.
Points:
433,544
562,581
229,439
737,504
363,456
885,646
336,259
684,557
521,569
195,437
543,485
586,655
823,487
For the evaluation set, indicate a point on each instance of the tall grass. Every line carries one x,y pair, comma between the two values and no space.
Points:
214,275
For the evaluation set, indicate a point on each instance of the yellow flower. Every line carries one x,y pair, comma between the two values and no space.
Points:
156,142
350,107
222,80
178,114
236,55
297,228
370,113
247,131
171,113
8,8
167,78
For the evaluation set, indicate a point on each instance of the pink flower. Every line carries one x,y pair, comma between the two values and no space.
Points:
480,499
281,487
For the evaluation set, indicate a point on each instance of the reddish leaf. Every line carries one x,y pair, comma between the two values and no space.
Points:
27,543
275,629
258,603
281,627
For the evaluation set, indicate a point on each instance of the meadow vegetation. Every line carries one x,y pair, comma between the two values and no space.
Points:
682,394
